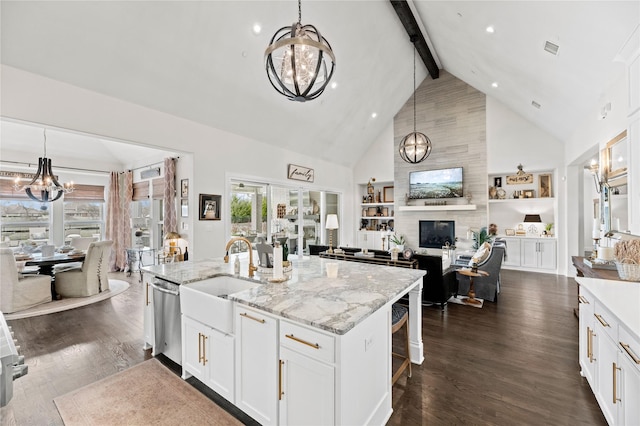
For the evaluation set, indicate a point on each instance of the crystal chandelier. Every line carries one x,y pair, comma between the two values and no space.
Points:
297,61
416,146
44,187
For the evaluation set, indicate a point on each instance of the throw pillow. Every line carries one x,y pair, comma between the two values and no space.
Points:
481,254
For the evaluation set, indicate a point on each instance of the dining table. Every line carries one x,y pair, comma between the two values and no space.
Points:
46,265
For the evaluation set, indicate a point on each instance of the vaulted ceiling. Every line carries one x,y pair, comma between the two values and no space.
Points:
200,60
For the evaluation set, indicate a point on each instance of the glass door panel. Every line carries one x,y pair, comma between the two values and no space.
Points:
248,212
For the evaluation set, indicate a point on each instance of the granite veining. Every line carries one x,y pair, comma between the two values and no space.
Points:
308,296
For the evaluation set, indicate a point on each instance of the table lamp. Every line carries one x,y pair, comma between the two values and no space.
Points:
332,223
173,238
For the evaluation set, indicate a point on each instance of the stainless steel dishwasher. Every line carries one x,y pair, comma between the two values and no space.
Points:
166,318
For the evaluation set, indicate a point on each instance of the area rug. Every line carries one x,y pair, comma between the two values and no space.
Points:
146,394
115,287
460,300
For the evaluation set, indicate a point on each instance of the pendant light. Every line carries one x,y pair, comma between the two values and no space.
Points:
416,146
297,61
44,187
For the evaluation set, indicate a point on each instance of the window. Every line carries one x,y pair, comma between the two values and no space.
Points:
19,216
84,211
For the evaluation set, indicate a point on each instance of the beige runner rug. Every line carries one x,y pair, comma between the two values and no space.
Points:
146,394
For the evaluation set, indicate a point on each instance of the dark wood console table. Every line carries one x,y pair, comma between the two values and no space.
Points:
402,263
583,270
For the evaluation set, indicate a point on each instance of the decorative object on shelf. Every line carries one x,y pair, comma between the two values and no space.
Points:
544,185
532,219
627,255
281,210
370,185
210,207
493,229
520,230
521,177
297,61
388,194
300,173
548,230
416,146
510,232
378,197
44,187
332,223
407,253
184,188
529,193
493,193
497,182
502,194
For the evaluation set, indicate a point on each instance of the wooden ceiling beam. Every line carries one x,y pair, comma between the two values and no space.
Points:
415,36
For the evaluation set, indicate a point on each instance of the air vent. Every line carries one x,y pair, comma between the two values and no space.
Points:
551,48
535,104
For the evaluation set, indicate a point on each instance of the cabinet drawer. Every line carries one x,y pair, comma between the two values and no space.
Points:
607,320
630,346
309,342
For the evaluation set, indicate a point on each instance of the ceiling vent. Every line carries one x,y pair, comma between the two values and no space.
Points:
535,104
151,173
551,48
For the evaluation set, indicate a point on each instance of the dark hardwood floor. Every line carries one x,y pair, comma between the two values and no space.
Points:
511,362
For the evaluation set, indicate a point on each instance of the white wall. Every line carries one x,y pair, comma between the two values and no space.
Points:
33,98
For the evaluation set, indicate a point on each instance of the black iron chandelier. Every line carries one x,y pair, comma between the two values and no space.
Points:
44,187
297,61
416,146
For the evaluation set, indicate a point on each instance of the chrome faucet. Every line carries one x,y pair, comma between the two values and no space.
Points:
252,268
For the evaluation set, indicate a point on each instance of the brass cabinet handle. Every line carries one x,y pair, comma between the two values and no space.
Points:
204,350
199,347
615,383
304,342
244,314
591,335
582,299
602,321
628,350
589,344
147,295
280,391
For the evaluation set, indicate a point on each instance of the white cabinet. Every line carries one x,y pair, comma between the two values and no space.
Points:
148,323
512,253
257,364
610,361
307,376
372,240
208,354
538,253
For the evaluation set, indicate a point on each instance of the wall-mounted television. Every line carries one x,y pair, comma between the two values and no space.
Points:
441,183
437,233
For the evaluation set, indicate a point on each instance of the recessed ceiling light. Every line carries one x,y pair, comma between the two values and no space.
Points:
334,85
535,104
490,29
257,28
494,84
374,114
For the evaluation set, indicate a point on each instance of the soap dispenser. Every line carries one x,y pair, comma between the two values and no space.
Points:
236,265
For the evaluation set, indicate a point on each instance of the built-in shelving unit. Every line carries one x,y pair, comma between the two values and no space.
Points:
438,208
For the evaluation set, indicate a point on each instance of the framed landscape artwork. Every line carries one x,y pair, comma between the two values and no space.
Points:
544,185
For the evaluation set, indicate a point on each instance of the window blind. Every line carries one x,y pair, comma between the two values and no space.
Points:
158,188
8,192
86,193
141,191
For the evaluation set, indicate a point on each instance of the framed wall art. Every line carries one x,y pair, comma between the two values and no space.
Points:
387,194
184,188
544,185
209,207
510,232
616,156
184,207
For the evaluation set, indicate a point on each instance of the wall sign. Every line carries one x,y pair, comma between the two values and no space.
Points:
300,173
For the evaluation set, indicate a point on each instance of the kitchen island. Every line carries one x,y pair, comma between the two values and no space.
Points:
312,349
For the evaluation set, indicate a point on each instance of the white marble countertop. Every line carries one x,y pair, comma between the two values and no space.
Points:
308,296
622,298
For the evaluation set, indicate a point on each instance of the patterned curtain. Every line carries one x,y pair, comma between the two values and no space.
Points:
119,218
170,220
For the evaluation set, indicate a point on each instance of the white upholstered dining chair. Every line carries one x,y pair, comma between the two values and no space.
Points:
19,292
91,278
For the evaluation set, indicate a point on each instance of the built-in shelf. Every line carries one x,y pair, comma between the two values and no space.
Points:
436,208
521,200
377,217
375,204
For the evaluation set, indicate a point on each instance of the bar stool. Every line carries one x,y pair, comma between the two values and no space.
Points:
399,318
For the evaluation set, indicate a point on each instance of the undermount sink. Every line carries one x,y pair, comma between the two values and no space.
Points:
206,301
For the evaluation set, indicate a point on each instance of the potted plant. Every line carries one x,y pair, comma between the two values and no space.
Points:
481,237
547,229
398,240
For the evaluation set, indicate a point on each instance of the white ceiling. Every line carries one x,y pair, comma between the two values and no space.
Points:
201,61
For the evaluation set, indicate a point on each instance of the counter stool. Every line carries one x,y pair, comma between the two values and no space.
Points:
399,318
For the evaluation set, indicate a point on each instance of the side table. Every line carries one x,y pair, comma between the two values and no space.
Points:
136,254
471,296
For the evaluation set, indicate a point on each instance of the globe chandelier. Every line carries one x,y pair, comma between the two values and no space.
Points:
297,61
44,187
416,146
